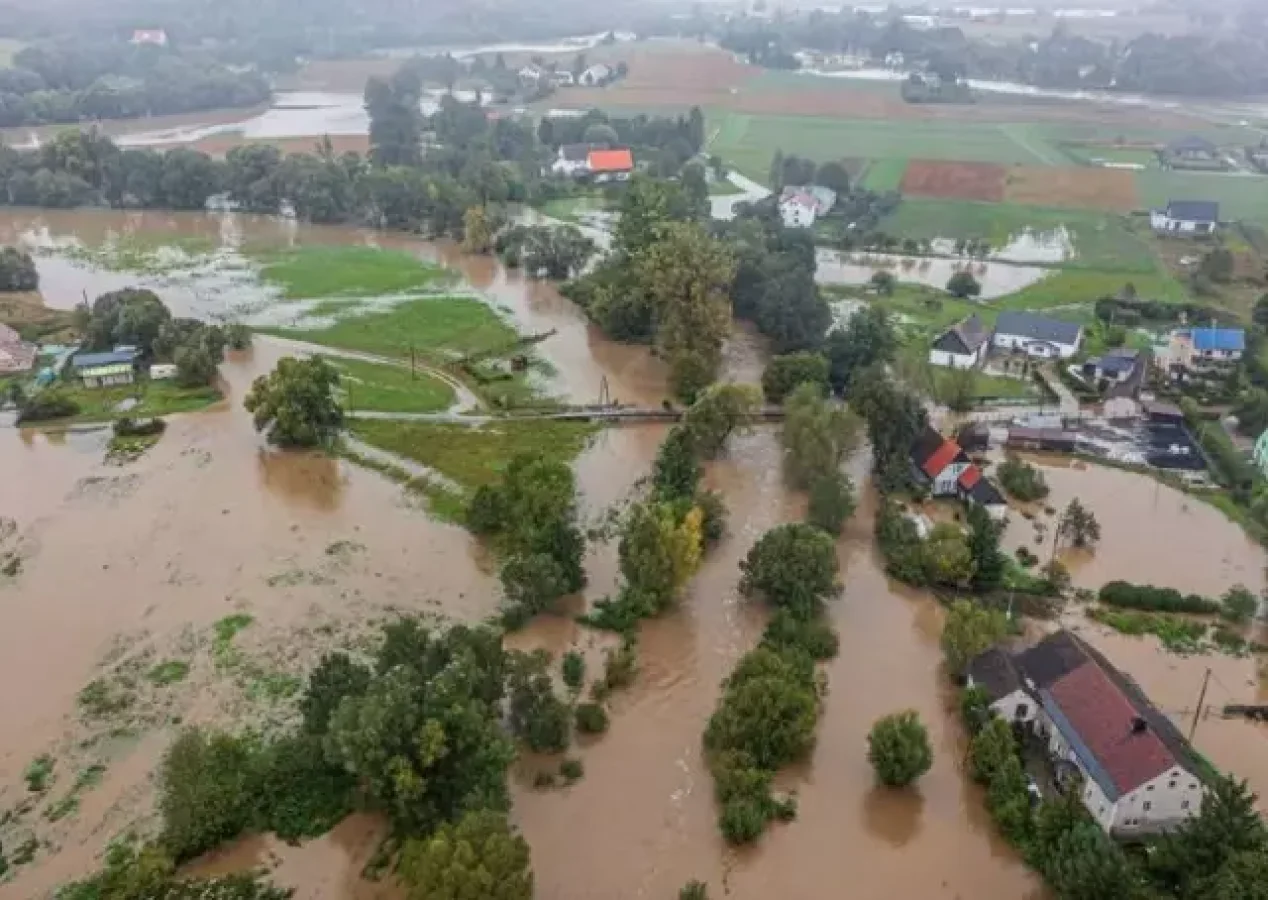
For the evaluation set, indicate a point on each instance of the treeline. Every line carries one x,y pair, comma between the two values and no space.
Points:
75,80
414,730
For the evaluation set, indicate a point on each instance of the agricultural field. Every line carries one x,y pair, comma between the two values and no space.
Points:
1113,190
1242,197
884,175
954,180
315,271
1095,155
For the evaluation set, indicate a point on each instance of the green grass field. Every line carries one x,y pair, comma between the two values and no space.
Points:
1070,287
749,142
1101,241
884,174
1239,196
156,398
431,326
474,456
367,386
315,271
571,209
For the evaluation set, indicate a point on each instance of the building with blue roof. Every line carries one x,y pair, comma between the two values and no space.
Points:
1219,340
106,369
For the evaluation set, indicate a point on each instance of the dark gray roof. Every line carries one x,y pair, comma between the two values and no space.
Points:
1037,328
575,152
985,493
109,358
963,338
1191,143
994,672
1193,210
1050,660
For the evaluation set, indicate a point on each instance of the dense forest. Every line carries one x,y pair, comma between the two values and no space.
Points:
1226,63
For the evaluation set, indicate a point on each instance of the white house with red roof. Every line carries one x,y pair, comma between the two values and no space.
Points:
1137,774
156,37
800,206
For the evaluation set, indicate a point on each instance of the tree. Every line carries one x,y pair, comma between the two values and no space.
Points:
676,472
531,584
784,373
1218,265
195,366
970,629
1085,864
477,230
868,339
591,718
237,336
884,281
601,133
833,176
988,558
895,418
479,858
129,316
1079,526
658,553
536,715
295,403
1021,479
17,271
717,414
818,435
898,749
396,122
832,502
948,559
1227,825
963,285
335,677
206,792
991,750
1240,605
768,710
1261,311
694,890
793,566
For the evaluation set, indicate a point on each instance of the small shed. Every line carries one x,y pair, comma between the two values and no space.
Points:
162,371
105,369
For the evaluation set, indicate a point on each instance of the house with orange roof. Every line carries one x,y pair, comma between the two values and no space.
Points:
941,465
610,165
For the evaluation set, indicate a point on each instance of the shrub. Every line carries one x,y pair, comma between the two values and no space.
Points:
1021,479
50,403
1146,597
207,791
694,890
814,637
831,502
573,669
898,749
1239,604
572,770
591,718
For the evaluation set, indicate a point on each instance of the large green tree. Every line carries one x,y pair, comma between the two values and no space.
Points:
1196,853
867,339
719,412
786,372
478,858
898,749
295,403
818,435
970,629
793,567
768,711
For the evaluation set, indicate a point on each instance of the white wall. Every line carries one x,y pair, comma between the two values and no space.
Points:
1031,347
1016,707
945,484
797,216
1172,797
954,360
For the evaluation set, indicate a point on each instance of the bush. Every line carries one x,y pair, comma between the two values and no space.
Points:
571,770
1022,480
1239,604
591,718
573,669
50,403
207,792
813,637
1124,595
831,502
898,749
784,373
694,890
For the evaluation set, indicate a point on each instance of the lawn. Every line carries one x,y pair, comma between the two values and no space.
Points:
1101,240
1072,287
431,326
884,174
1130,155
367,386
316,271
571,209
1239,196
157,398
474,456
749,141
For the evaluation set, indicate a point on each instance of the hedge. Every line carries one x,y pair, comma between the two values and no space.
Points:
1146,597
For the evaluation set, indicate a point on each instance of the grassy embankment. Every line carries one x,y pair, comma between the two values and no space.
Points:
154,398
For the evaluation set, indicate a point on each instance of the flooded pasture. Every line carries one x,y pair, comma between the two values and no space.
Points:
997,278
147,558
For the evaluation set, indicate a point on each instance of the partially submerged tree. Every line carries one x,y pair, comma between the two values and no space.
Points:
898,748
970,629
1079,525
295,403
792,566
480,856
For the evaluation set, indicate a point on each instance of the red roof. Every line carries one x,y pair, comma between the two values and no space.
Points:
942,458
969,477
611,160
1105,720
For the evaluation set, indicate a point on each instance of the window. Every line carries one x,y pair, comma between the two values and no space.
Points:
1022,709
1150,788
1171,785
1148,806
1184,804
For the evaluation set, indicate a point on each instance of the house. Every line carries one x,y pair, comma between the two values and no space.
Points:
1158,413
162,372
962,346
105,369
1193,152
1216,345
595,76
799,206
1135,772
16,355
572,160
975,488
1115,366
975,437
564,78
531,75
156,37
1186,217
938,463
610,165
1036,335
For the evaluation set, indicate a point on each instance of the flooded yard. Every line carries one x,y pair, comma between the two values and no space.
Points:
996,278
147,559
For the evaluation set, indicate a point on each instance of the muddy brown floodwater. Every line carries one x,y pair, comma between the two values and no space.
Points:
211,522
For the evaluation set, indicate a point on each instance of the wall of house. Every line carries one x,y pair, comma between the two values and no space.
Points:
797,216
945,484
1101,808
954,360
1121,408
1159,805
1016,707
1031,346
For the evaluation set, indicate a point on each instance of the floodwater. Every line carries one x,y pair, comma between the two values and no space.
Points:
997,278
211,522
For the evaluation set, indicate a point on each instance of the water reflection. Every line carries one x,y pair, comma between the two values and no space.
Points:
893,815
305,480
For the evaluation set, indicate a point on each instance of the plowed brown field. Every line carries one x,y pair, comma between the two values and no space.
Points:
1076,188
954,180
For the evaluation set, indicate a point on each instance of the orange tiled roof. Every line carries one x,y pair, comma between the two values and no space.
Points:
611,160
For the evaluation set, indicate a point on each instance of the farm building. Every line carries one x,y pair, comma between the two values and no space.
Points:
962,346
800,206
105,369
1193,152
938,462
1053,440
1135,773
610,165
1186,217
595,76
16,355
1036,335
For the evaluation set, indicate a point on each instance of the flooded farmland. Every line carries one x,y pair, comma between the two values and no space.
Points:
143,561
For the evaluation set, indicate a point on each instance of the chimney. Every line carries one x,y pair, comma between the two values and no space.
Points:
1139,725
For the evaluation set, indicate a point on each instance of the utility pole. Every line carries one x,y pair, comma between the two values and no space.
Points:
1197,713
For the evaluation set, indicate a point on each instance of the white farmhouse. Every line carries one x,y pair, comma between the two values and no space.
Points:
799,207
571,160
962,346
1037,336
595,76
1186,217
1135,772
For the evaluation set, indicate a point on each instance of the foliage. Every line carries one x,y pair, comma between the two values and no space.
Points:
676,471
793,567
984,550
478,858
658,553
788,633
694,890
962,284
573,670
1021,479
832,502
50,403
536,715
1227,825
131,317
898,748
719,412
1079,525
868,339
991,749
146,873
970,629
894,418
17,271
818,435
789,371
299,793
237,336
337,676
39,773
295,403
207,794
531,584
1124,595
591,718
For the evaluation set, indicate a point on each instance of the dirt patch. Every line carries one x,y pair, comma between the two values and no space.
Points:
954,180
1081,188
26,313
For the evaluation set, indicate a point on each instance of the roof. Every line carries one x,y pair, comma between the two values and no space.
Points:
800,198
1219,339
995,673
611,160
1037,328
105,369
575,152
1191,143
1051,659
963,338
1042,436
1193,210
1157,408
985,493
114,357
925,446
1117,361
1118,747
969,478
932,452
